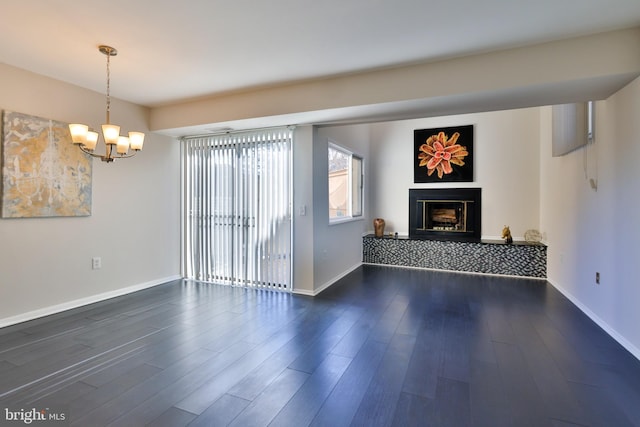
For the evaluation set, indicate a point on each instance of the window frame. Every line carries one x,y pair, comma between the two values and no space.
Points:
332,145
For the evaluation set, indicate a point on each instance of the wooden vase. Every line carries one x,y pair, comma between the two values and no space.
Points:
378,227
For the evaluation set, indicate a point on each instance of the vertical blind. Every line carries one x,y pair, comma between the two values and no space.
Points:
237,208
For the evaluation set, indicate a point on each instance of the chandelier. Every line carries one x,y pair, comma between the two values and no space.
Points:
116,146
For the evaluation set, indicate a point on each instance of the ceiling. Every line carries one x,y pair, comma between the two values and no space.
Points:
170,51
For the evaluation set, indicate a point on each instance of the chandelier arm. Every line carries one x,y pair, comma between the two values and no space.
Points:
108,157
91,153
125,156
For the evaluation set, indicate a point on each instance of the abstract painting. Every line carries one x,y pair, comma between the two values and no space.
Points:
43,173
443,154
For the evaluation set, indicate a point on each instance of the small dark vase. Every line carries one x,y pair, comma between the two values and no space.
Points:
378,227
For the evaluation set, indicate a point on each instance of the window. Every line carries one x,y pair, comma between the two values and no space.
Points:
345,184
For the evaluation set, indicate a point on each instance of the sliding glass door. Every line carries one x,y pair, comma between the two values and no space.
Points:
237,208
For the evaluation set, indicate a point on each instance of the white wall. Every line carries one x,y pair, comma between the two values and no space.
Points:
597,231
506,153
337,247
303,281
45,263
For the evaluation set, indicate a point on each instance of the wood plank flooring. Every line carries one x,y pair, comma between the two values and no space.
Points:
382,347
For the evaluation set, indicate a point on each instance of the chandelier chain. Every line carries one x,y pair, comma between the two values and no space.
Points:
108,88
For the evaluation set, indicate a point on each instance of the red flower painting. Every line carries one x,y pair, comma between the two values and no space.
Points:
442,154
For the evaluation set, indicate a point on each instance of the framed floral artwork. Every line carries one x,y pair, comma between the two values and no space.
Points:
443,154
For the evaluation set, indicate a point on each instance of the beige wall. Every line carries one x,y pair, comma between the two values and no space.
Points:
591,230
303,211
338,246
506,147
45,263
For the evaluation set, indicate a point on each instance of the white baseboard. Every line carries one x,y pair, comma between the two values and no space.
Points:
46,311
326,284
303,292
604,325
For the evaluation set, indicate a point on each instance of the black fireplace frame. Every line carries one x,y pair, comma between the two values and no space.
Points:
474,214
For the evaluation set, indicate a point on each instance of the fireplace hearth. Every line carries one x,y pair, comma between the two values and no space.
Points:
445,214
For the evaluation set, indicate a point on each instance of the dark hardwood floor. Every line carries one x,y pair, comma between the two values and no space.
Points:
382,347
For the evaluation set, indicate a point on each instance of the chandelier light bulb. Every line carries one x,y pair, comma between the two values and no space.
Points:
78,132
137,140
91,140
123,145
110,134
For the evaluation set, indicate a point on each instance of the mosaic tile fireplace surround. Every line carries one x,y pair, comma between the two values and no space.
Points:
444,234
489,257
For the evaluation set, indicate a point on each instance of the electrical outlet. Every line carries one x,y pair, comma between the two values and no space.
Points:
96,263
597,277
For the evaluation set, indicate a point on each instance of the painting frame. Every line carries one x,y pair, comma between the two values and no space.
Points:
443,154
43,173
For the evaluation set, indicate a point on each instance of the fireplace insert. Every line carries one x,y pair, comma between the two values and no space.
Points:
445,214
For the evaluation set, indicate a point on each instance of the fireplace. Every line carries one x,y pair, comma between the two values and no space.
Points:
445,214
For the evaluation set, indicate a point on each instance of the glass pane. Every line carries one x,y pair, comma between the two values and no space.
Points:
356,186
338,183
